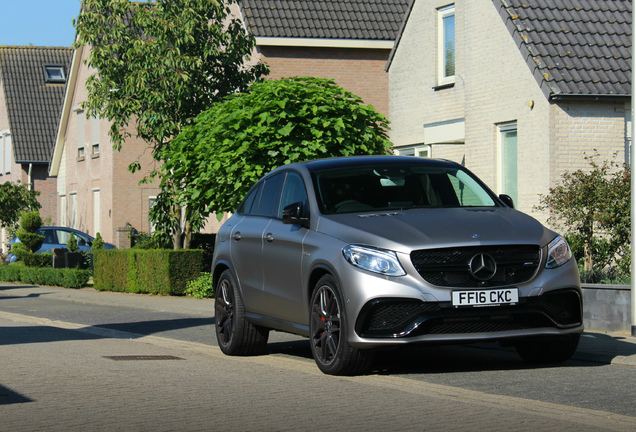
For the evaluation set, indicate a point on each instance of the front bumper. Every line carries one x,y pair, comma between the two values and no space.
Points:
403,318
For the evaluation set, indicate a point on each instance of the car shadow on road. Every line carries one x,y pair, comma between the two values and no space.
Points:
594,349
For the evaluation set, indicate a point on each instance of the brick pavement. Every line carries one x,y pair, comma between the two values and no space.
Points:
56,375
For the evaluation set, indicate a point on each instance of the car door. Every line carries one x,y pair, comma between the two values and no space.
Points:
282,256
246,240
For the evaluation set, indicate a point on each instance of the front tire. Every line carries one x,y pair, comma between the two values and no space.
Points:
548,349
328,330
236,336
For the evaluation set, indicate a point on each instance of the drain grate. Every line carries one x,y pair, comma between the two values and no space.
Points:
143,357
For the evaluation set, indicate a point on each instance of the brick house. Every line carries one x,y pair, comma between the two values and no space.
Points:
32,82
95,190
517,91
349,41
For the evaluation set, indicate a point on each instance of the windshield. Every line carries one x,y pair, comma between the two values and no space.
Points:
372,188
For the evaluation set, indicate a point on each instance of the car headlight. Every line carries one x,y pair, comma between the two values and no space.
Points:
559,253
374,260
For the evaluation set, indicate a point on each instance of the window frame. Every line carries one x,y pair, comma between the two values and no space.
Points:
502,130
442,14
51,77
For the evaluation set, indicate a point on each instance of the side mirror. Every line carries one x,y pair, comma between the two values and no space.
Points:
507,200
293,215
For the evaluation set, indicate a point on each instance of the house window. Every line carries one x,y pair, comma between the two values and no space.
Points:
96,212
151,202
55,74
63,211
446,45
507,155
74,210
420,151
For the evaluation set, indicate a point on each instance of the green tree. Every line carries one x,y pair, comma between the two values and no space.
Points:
215,160
161,63
71,244
594,208
98,243
14,200
30,241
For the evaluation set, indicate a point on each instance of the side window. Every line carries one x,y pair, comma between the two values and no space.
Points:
49,236
250,203
294,191
270,198
63,236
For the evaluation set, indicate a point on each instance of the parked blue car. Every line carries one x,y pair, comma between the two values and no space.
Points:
57,237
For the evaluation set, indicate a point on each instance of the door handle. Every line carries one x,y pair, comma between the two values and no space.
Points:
236,236
269,237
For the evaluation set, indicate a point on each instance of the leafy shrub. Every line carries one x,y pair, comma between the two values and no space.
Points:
594,208
202,287
71,245
98,243
29,224
67,278
163,271
31,221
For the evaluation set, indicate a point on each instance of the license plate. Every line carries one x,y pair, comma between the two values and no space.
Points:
498,297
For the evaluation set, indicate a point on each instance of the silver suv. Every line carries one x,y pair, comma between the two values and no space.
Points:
365,252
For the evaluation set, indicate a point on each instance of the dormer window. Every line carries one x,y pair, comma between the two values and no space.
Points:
55,74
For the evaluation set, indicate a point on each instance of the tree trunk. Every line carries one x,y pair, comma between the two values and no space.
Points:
587,264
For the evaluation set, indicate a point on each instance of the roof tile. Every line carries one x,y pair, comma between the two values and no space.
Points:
325,19
583,46
33,103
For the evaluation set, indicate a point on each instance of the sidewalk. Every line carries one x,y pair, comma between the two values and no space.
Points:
609,348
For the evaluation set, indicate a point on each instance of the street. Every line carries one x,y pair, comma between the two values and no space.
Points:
79,360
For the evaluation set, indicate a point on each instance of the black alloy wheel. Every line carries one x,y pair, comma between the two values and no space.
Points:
327,329
235,335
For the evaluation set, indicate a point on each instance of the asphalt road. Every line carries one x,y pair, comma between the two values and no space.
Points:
52,338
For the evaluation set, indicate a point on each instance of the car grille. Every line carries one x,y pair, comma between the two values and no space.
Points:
450,267
398,318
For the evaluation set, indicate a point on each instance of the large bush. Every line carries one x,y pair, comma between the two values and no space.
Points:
214,161
165,272
593,208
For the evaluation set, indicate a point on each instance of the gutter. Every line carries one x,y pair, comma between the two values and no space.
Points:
324,43
594,97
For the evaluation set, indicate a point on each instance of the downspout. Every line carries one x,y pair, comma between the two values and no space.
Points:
29,184
632,157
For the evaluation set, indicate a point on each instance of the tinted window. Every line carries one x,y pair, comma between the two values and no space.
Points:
270,198
371,188
293,192
250,203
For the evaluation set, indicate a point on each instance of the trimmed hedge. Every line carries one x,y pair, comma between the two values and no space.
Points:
164,272
67,278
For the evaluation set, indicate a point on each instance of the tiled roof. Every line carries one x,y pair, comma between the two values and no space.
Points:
323,19
574,48
33,103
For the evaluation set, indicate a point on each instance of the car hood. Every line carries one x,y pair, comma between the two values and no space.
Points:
407,230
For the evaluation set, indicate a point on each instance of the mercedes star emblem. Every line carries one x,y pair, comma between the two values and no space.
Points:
483,267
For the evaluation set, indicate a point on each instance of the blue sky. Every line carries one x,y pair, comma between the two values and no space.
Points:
38,22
